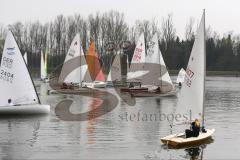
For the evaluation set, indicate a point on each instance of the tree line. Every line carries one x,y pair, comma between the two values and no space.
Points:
112,34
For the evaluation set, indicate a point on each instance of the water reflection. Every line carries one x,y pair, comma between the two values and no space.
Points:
111,137
20,136
195,153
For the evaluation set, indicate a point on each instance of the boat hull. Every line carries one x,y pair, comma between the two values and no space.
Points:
144,92
26,109
70,91
179,140
154,94
95,84
134,90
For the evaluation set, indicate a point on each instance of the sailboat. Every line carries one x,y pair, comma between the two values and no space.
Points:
156,81
25,58
180,77
43,68
115,70
136,70
191,101
95,69
73,73
18,95
115,75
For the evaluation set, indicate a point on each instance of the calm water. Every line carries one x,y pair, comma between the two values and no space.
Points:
120,135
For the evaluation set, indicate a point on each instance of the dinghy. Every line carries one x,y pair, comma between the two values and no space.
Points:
114,78
136,70
74,71
191,101
157,80
18,92
74,59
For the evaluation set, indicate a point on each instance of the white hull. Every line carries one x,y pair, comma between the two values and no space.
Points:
95,84
179,140
70,91
26,109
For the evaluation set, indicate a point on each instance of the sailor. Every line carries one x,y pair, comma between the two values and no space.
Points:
194,129
64,86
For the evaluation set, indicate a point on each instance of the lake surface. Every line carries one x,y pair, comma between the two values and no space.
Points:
126,132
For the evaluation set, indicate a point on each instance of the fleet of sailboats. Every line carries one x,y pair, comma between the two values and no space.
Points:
147,69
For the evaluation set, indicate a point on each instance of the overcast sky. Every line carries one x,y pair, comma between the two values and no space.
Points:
222,15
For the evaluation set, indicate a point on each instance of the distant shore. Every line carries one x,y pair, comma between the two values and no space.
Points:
213,73
35,73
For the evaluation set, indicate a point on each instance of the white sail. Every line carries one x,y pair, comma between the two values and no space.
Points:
152,79
25,58
84,72
43,69
159,72
115,71
191,100
15,81
73,59
136,70
166,82
181,75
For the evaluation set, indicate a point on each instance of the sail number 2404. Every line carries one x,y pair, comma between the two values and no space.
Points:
6,76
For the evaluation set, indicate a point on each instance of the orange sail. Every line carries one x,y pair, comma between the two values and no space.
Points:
94,66
100,76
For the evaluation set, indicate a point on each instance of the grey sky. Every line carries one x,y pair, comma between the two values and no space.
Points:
222,15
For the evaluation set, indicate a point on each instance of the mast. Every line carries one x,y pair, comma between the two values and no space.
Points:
159,53
80,83
204,45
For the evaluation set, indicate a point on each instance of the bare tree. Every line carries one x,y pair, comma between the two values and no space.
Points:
60,36
168,30
189,32
2,37
17,30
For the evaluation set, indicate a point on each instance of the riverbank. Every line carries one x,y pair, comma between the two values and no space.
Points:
212,73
